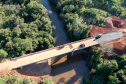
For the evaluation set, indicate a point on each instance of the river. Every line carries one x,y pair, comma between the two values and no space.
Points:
65,71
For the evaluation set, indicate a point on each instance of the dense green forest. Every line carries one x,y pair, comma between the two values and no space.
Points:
106,71
78,13
17,80
24,27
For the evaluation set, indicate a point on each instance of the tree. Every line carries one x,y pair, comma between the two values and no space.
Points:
26,81
3,54
1,81
12,79
18,46
16,32
123,79
113,79
47,81
2,13
87,80
68,9
21,25
96,57
76,27
32,8
96,79
107,67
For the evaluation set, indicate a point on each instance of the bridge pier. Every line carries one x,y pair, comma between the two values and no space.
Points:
69,55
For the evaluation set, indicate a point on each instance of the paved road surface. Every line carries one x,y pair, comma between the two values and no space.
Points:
109,37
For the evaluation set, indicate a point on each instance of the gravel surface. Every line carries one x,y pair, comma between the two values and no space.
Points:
109,37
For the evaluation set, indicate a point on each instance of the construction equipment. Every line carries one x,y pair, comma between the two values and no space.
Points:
82,45
98,36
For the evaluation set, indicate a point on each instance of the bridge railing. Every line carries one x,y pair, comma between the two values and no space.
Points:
50,49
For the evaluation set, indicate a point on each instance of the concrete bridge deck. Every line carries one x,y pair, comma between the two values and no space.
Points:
59,50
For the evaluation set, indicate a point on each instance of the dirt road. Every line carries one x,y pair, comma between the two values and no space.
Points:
52,52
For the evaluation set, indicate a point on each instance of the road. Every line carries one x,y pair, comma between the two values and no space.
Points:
59,50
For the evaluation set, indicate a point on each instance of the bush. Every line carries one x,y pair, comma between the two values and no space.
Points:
26,81
76,27
12,79
1,81
3,54
24,27
47,81
113,80
87,80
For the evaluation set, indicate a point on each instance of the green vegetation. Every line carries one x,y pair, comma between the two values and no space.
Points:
47,81
78,13
15,80
12,79
76,27
24,27
106,71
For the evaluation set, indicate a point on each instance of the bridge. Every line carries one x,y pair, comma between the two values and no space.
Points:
59,50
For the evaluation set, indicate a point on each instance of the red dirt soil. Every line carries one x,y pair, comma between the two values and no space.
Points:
35,72
119,46
39,71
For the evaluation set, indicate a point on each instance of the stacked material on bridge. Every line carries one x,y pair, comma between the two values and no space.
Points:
46,54
59,50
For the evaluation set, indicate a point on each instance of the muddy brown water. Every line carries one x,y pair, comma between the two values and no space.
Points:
65,71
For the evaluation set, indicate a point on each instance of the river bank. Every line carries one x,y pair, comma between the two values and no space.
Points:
65,71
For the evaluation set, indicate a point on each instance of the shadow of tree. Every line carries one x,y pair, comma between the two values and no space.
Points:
61,80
